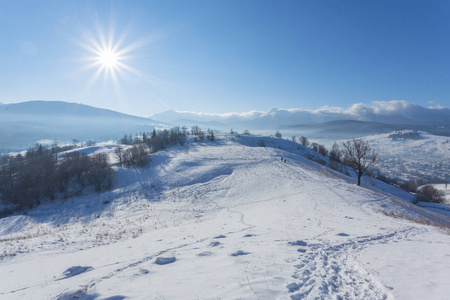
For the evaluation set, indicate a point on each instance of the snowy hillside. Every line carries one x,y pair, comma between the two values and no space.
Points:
226,220
428,156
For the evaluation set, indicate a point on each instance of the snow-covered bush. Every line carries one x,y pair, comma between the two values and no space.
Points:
409,186
430,194
26,181
137,155
100,174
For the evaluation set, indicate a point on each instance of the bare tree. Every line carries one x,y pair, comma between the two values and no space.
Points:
304,141
335,152
359,155
323,150
315,147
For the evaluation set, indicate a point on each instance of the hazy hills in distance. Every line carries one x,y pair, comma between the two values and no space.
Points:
24,124
327,122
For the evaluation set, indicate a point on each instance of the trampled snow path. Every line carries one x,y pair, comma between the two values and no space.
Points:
327,271
221,221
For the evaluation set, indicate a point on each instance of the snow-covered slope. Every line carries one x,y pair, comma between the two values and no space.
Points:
225,220
426,157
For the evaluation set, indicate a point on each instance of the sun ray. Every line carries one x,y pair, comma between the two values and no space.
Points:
110,53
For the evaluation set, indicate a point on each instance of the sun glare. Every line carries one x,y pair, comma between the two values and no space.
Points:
108,54
108,58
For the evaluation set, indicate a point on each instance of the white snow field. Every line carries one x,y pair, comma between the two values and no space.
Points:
428,156
227,220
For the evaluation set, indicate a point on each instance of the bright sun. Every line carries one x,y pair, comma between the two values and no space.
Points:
109,55
108,58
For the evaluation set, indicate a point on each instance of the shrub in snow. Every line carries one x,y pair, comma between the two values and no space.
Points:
409,186
211,137
26,181
386,179
334,165
100,174
335,153
430,194
137,155
323,150
304,141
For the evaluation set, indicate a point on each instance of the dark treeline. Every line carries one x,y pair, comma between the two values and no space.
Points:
161,139
411,135
146,143
25,180
157,140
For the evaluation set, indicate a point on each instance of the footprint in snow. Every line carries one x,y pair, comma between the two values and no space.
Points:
214,244
343,234
248,235
298,243
293,287
206,253
164,260
81,294
75,270
220,236
239,253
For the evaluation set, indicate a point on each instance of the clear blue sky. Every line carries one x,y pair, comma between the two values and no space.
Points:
223,56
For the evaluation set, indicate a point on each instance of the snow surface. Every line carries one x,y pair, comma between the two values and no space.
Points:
226,220
413,159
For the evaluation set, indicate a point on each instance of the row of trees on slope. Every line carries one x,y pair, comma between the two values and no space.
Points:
45,173
146,143
26,180
157,140
357,154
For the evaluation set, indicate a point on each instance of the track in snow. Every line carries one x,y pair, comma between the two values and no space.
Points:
327,271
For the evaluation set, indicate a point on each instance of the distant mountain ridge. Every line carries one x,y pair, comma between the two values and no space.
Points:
343,129
358,120
58,108
24,124
388,112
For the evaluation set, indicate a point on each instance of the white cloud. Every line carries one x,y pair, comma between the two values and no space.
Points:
437,106
382,111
